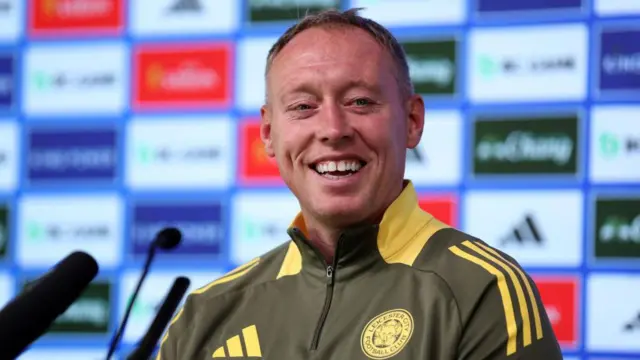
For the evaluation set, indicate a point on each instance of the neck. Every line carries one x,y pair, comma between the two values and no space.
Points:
325,240
324,237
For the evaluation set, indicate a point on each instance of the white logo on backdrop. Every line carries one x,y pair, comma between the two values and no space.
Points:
256,231
537,228
56,78
422,12
51,227
11,15
613,312
615,144
519,64
252,59
182,17
180,152
437,160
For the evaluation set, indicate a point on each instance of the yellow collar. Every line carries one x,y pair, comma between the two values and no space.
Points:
404,228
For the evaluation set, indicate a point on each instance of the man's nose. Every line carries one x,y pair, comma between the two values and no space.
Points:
334,125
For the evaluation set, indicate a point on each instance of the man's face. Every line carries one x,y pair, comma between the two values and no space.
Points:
338,124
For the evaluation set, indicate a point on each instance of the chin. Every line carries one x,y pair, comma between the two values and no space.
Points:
343,213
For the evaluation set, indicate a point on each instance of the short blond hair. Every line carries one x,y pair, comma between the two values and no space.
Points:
329,18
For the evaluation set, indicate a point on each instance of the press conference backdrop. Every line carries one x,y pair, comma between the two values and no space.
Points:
120,117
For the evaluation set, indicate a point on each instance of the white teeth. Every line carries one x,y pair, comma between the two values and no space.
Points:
342,165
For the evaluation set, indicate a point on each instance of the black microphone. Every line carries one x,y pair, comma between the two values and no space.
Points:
166,239
155,330
30,314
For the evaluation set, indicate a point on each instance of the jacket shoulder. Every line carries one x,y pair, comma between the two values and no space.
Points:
450,251
261,269
500,308
469,266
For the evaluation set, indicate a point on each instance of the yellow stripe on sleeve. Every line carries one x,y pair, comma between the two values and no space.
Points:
532,298
524,309
225,279
507,304
166,334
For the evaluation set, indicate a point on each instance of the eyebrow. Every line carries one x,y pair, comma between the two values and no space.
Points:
307,88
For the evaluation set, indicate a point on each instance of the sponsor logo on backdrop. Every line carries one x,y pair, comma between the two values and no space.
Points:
634,324
615,144
185,6
616,7
89,223
619,61
72,154
519,64
11,19
539,228
546,145
180,152
437,160
75,16
184,76
507,7
252,60
560,298
616,227
56,77
9,155
6,288
172,17
89,314
151,295
261,11
255,165
201,225
7,80
423,12
256,231
524,233
442,207
616,329
5,230
433,66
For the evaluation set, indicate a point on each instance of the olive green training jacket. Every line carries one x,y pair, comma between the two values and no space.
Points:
408,288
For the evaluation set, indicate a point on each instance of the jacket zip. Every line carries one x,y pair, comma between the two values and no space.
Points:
325,308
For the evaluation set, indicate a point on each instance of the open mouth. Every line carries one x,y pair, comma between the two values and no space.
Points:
338,169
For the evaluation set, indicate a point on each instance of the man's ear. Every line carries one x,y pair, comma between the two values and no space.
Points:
415,120
265,130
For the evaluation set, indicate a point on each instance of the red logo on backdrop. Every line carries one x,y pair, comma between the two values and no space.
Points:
560,298
75,16
442,207
255,166
185,76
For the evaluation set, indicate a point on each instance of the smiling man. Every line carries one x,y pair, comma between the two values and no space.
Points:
367,274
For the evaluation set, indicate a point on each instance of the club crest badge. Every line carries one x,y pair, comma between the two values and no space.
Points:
387,334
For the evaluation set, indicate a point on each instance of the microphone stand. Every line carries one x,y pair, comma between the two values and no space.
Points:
119,332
